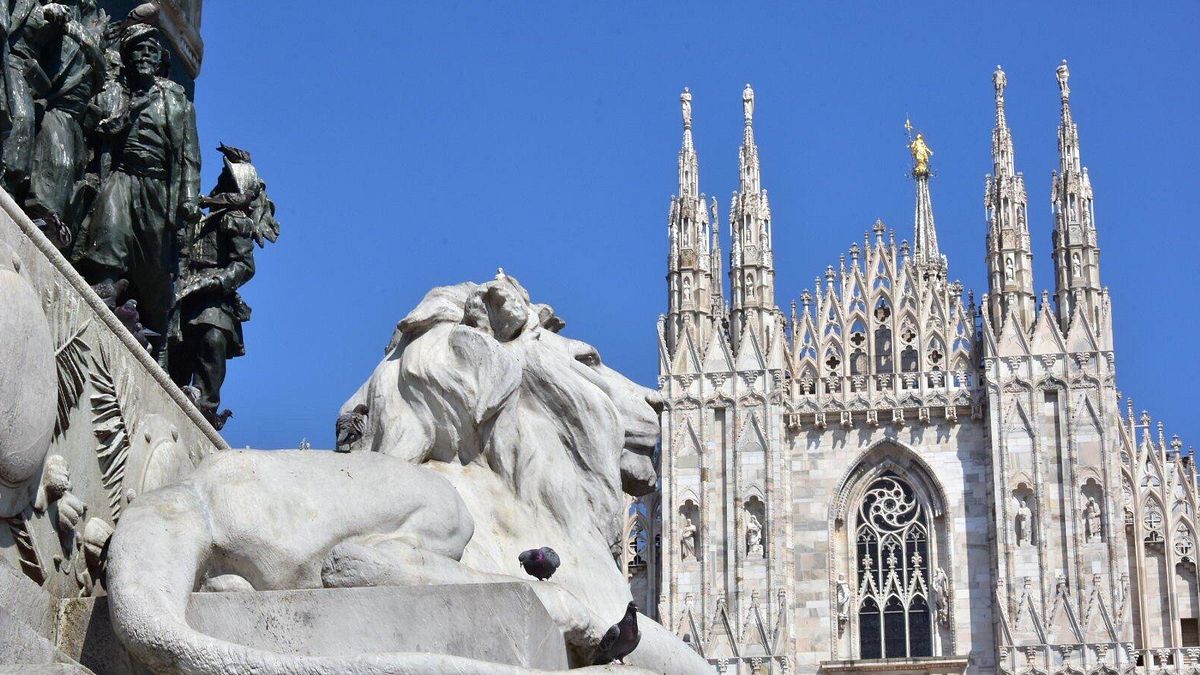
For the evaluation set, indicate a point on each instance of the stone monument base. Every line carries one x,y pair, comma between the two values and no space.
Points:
498,623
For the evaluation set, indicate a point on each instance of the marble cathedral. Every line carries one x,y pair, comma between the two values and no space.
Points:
893,479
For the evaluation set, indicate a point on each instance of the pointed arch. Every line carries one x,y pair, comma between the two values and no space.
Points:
750,437
1154,520
887,455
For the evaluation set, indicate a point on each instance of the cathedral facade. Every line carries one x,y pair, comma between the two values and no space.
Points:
892,478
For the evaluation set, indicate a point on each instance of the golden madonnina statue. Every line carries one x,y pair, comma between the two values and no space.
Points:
921,154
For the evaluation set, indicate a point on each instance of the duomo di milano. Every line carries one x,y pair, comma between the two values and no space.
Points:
891,479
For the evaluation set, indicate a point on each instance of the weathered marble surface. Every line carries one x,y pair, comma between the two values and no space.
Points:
87,423
508,626
493,434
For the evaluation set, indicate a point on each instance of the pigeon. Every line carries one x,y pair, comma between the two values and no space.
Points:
539,562
55,230
146,12
109,291
620,640
192,392
234,155
350,428
217,420
128,314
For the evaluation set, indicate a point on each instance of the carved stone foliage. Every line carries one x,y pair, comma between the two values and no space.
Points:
31,565
70,349
112,427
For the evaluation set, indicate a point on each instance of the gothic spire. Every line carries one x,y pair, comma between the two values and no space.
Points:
691,242
751,256
751,176
1076,255
928,258
719,310
1068,132
1002,145
1009,253
689,165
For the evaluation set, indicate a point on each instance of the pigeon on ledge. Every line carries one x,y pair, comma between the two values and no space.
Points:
539,562
129,316
350,427
110,291
620,640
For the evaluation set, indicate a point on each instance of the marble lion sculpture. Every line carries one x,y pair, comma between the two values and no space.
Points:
491,434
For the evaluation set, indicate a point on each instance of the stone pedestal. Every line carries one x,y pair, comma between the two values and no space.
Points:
500,623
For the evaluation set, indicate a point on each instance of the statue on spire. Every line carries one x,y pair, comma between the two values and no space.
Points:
1000,81
748,103
921,153
685,100
1063,75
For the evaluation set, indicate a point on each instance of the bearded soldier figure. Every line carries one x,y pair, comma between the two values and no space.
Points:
217,259
151,193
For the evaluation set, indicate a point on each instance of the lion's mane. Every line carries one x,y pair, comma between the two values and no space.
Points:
483,378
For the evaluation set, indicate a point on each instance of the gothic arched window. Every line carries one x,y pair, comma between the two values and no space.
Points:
892,536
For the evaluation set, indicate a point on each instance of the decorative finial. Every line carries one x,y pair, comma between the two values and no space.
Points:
921,153
1000,81
879,227
748,103
806,298
1064,74
685,100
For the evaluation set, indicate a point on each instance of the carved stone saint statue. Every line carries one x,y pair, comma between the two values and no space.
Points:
941,596
842,598
685,100
1091,518
1023,523
688,540
217,258
754,545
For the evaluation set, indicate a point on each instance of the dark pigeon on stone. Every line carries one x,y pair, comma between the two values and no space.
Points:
110,291
146,12
350,427
129,316
192,393
620,640
539,562
234,155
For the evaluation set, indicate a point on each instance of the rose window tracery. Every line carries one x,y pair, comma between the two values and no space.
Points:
895,619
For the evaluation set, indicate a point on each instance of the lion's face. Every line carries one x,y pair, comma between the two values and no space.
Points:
484,377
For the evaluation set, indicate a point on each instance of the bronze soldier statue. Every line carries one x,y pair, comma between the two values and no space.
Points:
70,70
21,19
217,259
151,193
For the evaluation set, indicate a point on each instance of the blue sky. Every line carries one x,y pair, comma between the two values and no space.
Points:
411,145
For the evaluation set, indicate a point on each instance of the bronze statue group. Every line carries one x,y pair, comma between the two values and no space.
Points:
99,147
